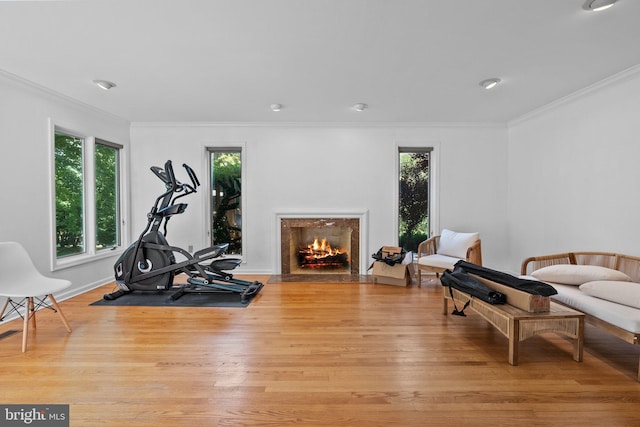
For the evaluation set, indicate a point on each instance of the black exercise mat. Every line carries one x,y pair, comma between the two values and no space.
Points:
162,299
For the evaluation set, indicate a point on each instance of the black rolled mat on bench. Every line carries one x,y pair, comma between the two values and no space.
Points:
530,286
162,299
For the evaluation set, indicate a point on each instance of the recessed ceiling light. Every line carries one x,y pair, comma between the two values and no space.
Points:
360,106
597,5
490,83
275,107
104,84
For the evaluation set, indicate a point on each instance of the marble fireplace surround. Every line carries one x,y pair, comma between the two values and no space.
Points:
361,215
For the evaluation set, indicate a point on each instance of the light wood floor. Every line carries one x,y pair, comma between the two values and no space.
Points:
302,354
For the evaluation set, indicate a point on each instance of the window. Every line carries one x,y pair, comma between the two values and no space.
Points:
226,197
413,197
107,195
69,182
87,195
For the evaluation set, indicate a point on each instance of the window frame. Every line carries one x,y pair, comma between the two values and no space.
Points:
90,253
434,193
209,149
83,138
118,183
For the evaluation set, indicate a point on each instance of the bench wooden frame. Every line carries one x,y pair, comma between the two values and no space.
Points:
626,263
518,325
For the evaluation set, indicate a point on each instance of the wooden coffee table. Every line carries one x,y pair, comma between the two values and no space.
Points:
518,325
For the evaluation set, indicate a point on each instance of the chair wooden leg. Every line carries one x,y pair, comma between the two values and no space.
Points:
28,313
419,278
55,305
30,317
32,312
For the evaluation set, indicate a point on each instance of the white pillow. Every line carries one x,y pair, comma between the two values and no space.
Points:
455,244
571,274
625,293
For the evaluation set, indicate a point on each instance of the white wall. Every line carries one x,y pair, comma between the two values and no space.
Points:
574,173
355,164
340,167
562,178
25,111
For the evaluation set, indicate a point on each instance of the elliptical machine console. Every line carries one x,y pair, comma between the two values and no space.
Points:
149,264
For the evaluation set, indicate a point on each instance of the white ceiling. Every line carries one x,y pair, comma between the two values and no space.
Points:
411,61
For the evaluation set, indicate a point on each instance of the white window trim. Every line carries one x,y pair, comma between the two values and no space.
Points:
88,151
207,193
434,184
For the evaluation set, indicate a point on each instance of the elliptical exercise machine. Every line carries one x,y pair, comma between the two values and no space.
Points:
149,264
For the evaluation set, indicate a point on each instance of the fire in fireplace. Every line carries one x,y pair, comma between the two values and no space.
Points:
320,245
320,255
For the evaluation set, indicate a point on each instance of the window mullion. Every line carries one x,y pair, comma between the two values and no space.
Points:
90,196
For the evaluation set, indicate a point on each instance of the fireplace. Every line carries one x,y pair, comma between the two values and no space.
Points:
322,244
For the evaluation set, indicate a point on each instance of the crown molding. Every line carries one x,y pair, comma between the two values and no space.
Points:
42,90
327,125
624,75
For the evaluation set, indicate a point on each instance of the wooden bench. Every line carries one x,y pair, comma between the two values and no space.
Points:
630,265
518,325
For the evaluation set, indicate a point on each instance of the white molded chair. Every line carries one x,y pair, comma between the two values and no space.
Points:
440,253
20,279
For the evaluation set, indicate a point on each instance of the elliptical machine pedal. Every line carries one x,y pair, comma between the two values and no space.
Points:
251,291
115,295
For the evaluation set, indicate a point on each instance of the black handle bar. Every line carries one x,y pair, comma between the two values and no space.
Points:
192,175
160,173
168,177
168,168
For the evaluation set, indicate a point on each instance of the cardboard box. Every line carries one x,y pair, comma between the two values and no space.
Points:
390,251
397,274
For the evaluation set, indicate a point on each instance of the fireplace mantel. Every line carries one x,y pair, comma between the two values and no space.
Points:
361,214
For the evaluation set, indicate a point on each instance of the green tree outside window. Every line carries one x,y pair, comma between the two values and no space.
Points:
71,198
413,204
69,195
107,210
226,200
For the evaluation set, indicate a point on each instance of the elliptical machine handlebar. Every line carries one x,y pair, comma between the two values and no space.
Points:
167,176
168,168
186,189
192,175
160,173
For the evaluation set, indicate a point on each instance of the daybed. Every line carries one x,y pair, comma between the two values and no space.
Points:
603,285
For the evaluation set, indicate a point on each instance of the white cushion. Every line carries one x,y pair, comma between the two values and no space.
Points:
626,293
455,244
438,261
571,274
622,316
